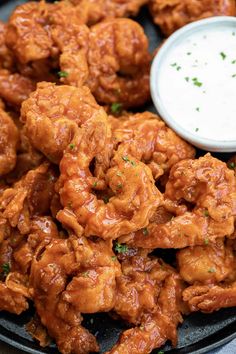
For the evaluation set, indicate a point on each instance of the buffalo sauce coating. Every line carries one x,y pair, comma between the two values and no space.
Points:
170,15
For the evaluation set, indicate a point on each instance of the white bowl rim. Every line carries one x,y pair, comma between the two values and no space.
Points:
204,143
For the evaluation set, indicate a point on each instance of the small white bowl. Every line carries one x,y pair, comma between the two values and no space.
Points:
181,34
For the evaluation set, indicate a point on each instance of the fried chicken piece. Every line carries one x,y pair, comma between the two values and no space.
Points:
207,264
9,139
30,196
135,196
143,291
42,34
6,57
155,144
99,10
57,112
70,276
209,298
170,15
15,88
209,187
119,63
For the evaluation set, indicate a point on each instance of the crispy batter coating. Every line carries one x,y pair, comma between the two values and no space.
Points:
207,187
70,276
143,291
9,139
209,298
119,63
207,264
99,10
16,254
30,196
57,112
41,31
15,88
212,271
155,144
134,199
6,57
170,15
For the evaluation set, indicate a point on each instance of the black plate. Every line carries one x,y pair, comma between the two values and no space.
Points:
198,334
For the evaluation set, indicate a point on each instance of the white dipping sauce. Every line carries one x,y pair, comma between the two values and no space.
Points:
197,83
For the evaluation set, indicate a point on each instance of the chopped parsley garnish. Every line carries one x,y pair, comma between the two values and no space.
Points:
189,53
174,64
116,107
232,165
197,129
63,73
186,78
233,62
5,269
105,199
211,270
72,146
206,241
161,352
198,109
119,248
178,68
196,82
85,274
234,75
133,163
145,231
125,158
223,55
119,185
114,258
206,213
95,184
233,33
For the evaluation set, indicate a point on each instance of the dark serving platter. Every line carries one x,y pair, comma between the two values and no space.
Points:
199,333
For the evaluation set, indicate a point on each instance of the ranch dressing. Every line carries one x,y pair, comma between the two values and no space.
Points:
197,83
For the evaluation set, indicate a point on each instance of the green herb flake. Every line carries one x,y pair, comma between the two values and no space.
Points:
178,68
206,213
206,241
116,107
72,146
197,129
198,109
196,82
186,78
63,73
161,352
232,165
95,184
133,163
174,64
119,185
233,61
105,199
125,158
233,33
189,53
223,55
234,75
145,231
6,269
114,258
211,270
119,248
